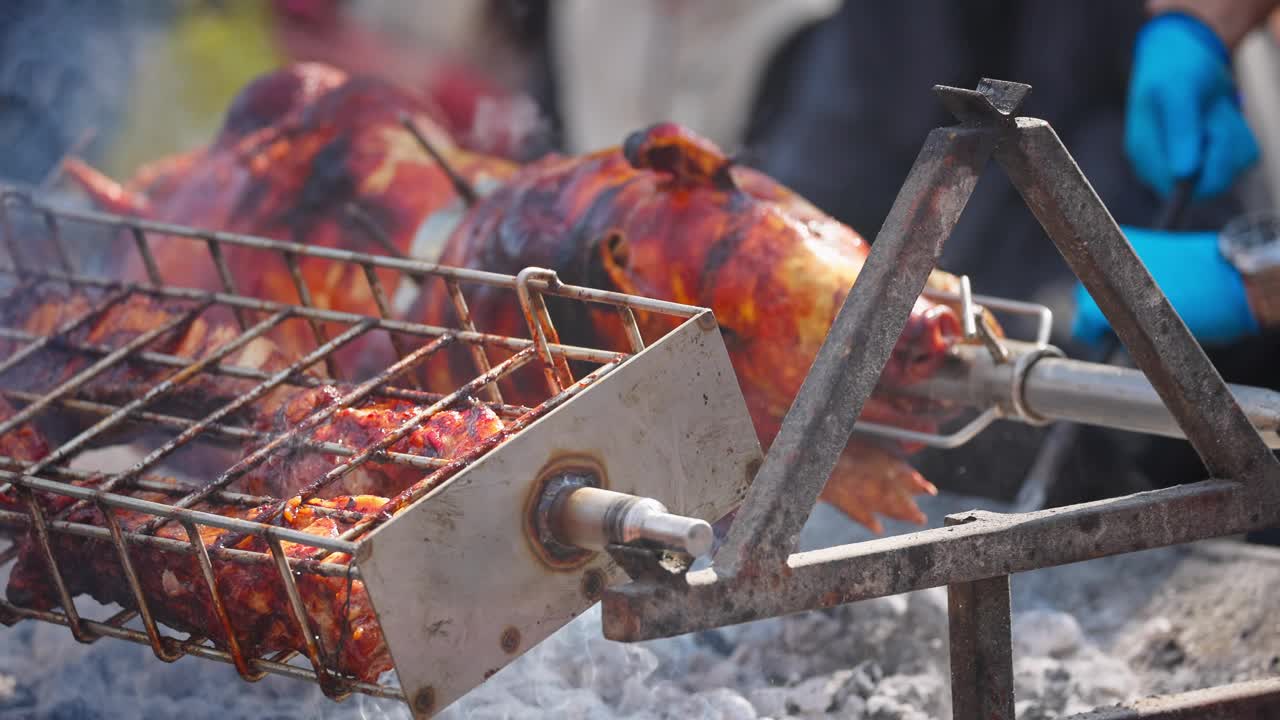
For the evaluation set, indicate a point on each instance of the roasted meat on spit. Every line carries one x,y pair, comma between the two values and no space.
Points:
307,155
42,309
338,608
669,216
447,434
255,599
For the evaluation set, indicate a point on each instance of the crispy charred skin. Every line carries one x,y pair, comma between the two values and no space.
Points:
668,216
43,309
445,435
23,443
256,601
303,153
339,610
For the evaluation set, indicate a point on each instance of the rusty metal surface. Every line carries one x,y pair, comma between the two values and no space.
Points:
456,572
1253,700
1160,344
848,365
953,379
982,545
981,645
1048,387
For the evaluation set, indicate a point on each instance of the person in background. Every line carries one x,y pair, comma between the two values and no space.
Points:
1185,124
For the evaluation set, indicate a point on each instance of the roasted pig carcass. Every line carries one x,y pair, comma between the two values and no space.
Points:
669,216
307,155
23,443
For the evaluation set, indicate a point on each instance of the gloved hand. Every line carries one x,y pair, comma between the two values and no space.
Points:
1205,290
1183,113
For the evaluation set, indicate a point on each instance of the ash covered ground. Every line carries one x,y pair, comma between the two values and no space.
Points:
1085,635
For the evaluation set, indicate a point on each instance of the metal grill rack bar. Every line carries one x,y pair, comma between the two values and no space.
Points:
197,508
757,574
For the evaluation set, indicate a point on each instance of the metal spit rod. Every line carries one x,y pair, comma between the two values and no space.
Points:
574,513
1037,385
594,518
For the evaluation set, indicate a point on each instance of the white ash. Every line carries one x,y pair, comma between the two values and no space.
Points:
1086,635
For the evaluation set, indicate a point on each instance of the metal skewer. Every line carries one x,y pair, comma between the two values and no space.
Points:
1062,437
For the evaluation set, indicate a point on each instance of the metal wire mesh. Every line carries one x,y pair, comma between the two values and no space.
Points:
173,509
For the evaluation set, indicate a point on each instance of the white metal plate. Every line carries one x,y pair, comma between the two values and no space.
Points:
454,576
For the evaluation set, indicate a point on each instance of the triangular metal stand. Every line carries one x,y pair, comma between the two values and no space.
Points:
755,573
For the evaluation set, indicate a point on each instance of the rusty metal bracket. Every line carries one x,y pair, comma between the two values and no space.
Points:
757,574
851,359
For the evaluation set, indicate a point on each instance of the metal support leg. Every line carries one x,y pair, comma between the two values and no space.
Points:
848,367
981,650
1075,218
1251,700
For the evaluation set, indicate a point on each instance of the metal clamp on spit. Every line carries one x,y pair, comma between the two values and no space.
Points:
1034,383
574,514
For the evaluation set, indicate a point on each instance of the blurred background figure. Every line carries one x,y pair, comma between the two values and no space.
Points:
1185,124
457,53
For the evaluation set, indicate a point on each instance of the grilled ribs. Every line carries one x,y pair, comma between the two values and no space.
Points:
253,595
446,434
24,443
41,310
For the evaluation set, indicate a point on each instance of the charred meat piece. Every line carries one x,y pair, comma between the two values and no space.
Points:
254,596
444,435
44,309
338,608
23,443
669,216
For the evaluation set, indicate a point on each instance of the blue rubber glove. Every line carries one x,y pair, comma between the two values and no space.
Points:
1183,113
1205,290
